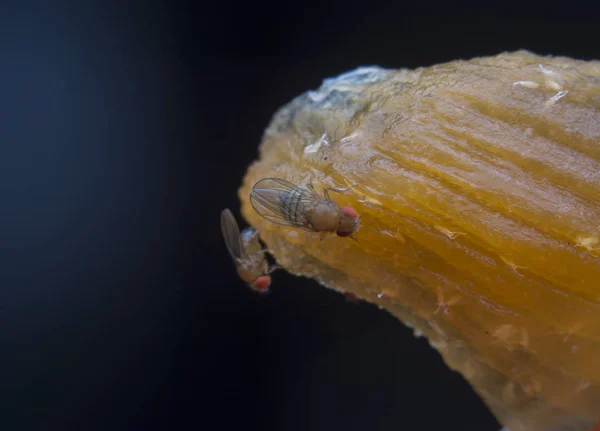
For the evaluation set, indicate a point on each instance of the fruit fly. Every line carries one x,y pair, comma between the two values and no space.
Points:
247,253
284,203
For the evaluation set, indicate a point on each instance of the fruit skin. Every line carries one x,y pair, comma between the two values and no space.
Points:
479,191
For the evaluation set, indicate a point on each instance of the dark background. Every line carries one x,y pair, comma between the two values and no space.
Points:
125,127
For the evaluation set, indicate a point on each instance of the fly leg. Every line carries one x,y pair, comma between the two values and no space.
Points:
273,268
332,189
257,230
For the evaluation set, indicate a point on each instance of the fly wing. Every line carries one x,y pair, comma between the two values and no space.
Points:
231,235
282,202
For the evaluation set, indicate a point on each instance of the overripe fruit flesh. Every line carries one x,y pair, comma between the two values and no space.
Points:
479,201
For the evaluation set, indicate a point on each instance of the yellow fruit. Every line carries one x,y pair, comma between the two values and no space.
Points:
479,205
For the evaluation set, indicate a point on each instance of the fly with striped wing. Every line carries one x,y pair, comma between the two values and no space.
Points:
284,203
247,253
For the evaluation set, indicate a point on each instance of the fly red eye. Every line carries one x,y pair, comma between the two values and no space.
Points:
350,212
262,283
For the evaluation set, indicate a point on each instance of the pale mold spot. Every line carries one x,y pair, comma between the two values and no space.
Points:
386,232
553,81
417,333
553,85
512,266
506,334
350,186
387,293
545,70
444,305
448,232
527,84
529,132
361,75
348,138
556,98
316,146
575,348
590,243
396,235
504,331
368,199
402,239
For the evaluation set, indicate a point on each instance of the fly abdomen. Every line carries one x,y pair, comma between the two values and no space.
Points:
287,204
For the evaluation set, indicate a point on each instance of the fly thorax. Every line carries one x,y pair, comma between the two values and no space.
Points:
250,241
326,216
254,265
247,274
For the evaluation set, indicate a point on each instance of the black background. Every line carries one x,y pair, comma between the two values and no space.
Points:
125,127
